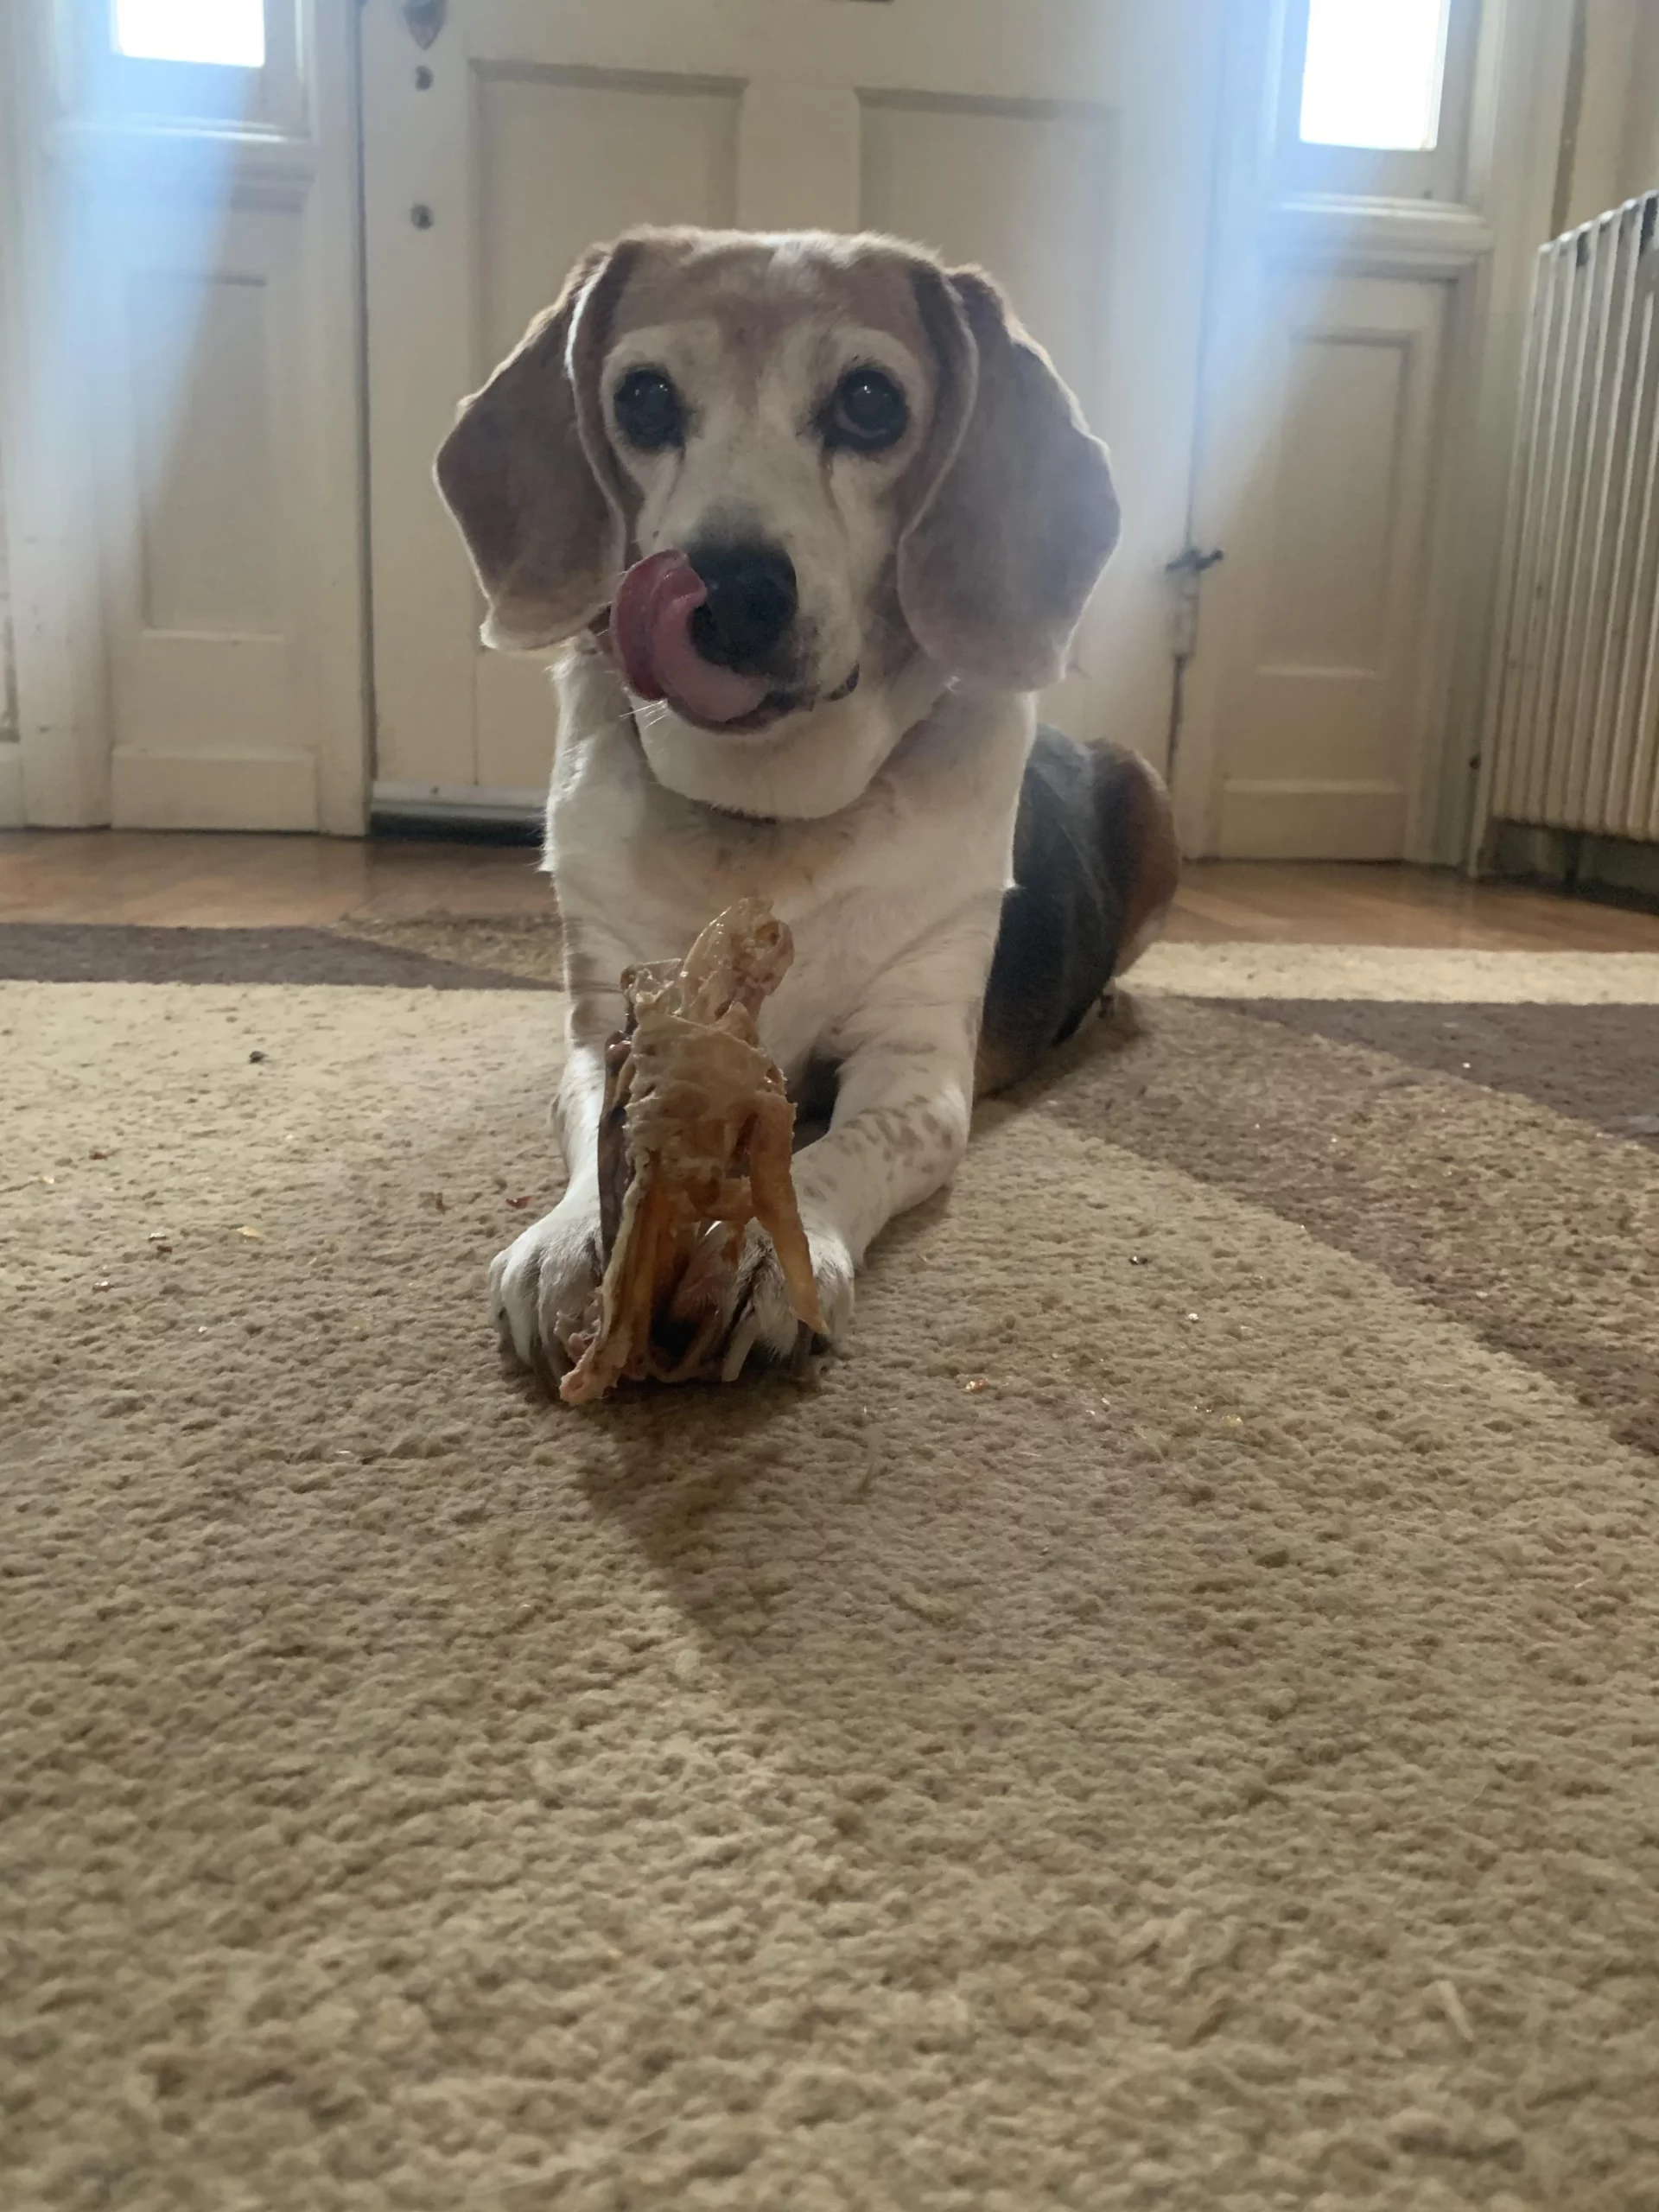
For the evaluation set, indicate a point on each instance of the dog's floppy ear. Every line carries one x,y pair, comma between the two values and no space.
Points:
1016,513
526,470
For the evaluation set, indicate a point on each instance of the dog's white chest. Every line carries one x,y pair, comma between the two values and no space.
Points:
639,870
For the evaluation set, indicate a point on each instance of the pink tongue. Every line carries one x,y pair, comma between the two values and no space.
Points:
651,630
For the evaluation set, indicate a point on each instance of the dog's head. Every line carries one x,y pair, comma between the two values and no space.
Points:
858,475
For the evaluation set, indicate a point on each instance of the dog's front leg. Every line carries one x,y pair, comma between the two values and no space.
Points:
903,1102
541,1286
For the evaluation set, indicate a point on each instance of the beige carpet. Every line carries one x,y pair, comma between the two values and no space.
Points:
1170,1721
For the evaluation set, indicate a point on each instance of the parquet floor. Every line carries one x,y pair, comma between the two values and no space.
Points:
216,880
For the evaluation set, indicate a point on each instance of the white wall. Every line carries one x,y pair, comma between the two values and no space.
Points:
1614,138
8,678
11,765
11,770
1640,139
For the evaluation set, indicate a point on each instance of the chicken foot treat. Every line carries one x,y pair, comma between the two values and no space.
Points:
694,1144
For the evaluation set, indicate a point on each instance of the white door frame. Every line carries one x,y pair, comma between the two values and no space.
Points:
58,771
70,516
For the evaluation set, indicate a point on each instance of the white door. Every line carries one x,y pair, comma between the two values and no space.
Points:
1064,144
1372,257
179,413
1324,614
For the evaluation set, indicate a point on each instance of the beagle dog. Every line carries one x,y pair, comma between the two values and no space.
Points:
810,519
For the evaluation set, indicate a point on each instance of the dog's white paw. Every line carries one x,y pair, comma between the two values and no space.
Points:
542,1286
763,1320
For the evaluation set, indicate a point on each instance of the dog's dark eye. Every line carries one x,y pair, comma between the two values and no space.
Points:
867,412
648,411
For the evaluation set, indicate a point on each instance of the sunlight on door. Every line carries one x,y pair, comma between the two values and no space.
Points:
1374,72
230,33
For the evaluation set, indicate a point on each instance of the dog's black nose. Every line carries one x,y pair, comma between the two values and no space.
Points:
752,601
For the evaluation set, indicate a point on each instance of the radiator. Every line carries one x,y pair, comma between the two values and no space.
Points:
1573,732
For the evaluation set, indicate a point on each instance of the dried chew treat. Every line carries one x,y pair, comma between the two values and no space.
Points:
695,1140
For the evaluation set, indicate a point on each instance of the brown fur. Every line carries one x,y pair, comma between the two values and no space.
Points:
1145,851
1095,866
542,524
1007,512
995,568
965,550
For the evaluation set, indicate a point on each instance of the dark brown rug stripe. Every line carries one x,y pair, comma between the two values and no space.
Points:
1600,1063
92,952
1535,1231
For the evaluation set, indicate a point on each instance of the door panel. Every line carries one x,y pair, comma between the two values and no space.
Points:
1328,564
1064,145
205,596
566,156
1019,186
588,154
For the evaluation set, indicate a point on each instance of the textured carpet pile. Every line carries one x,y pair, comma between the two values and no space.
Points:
1172,1720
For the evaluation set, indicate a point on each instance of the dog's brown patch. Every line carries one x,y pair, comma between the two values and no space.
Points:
1144,851
1095,865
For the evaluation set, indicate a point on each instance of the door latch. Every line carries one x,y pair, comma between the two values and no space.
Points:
424,19
1186,569
1192,562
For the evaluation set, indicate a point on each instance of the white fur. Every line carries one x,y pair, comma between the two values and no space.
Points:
894,900
879,823
751,457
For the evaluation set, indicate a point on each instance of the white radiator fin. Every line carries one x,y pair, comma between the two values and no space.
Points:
1574,741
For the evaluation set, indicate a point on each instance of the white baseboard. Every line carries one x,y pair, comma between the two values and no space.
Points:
416,802
1297,820
11,785
271,789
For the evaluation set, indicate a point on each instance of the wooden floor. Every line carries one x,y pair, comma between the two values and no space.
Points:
174,879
